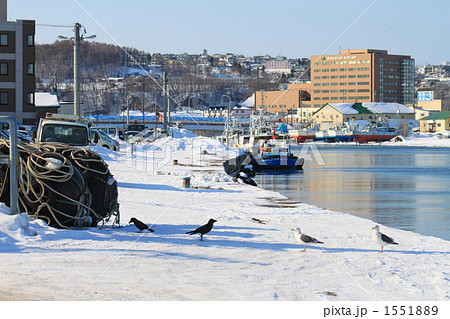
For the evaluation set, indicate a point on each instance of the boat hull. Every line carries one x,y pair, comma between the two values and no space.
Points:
373,137
277,162
302,136
337,138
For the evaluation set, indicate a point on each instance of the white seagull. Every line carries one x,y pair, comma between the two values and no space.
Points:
304,239
382,239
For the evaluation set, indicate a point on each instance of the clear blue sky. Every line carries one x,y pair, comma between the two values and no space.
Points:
292,28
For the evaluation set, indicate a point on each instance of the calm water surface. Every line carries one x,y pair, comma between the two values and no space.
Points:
402,187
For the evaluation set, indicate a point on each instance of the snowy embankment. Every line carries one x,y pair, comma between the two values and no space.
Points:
240,259
427,140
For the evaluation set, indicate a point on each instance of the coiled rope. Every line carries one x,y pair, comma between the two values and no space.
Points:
40,167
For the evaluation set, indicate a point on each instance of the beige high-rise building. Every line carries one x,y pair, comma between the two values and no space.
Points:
362,76
351,76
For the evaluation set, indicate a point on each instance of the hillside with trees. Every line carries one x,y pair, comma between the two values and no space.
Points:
194,80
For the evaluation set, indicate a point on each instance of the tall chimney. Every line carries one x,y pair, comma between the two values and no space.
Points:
3,10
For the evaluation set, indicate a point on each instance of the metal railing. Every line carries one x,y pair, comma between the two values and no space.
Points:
11,160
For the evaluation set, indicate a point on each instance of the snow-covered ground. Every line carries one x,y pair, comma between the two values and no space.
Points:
418,139
428,140
240,259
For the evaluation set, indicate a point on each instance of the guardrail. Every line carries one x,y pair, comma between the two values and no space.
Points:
12,162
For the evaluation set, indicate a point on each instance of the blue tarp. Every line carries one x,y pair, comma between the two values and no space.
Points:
150,118
281,128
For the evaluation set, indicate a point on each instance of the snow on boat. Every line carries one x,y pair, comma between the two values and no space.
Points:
276,158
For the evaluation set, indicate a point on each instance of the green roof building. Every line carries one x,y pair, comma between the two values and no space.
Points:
435,122
332,115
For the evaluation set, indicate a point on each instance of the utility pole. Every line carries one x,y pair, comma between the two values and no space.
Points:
300,105
227,124
168,109
165,101
143,100
77,38
76,69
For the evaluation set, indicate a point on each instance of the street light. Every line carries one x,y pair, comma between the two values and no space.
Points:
77,38
229,103
130,98
189,102
143,100
227,126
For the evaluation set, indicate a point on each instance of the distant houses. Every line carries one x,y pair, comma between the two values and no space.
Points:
233,110
337,114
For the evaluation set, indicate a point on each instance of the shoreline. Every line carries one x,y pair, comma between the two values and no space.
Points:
399,144
239,260
416,140
339,212
350,147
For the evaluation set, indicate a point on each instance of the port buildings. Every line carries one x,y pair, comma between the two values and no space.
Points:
352,76
436,122
432,100
336,114
17,72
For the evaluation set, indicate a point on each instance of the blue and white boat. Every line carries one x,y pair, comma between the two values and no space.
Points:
276,157
333,136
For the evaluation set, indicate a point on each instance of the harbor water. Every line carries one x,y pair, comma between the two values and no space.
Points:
401,187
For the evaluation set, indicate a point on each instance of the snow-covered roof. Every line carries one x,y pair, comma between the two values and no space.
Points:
241,107
46,99
379,107
250,102
371,107
344,108
359,123
396,123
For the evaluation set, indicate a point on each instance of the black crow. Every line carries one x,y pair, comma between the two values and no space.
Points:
203,229
140,225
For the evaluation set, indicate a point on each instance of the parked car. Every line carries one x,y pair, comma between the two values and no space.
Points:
111,130
101,138
121,135
142,137
26,133
63,128
4,134
136,127
129,134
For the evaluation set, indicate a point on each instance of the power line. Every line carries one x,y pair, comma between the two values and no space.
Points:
54,25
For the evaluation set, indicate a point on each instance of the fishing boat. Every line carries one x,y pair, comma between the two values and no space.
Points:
301,136
332,136
378,134
276,157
